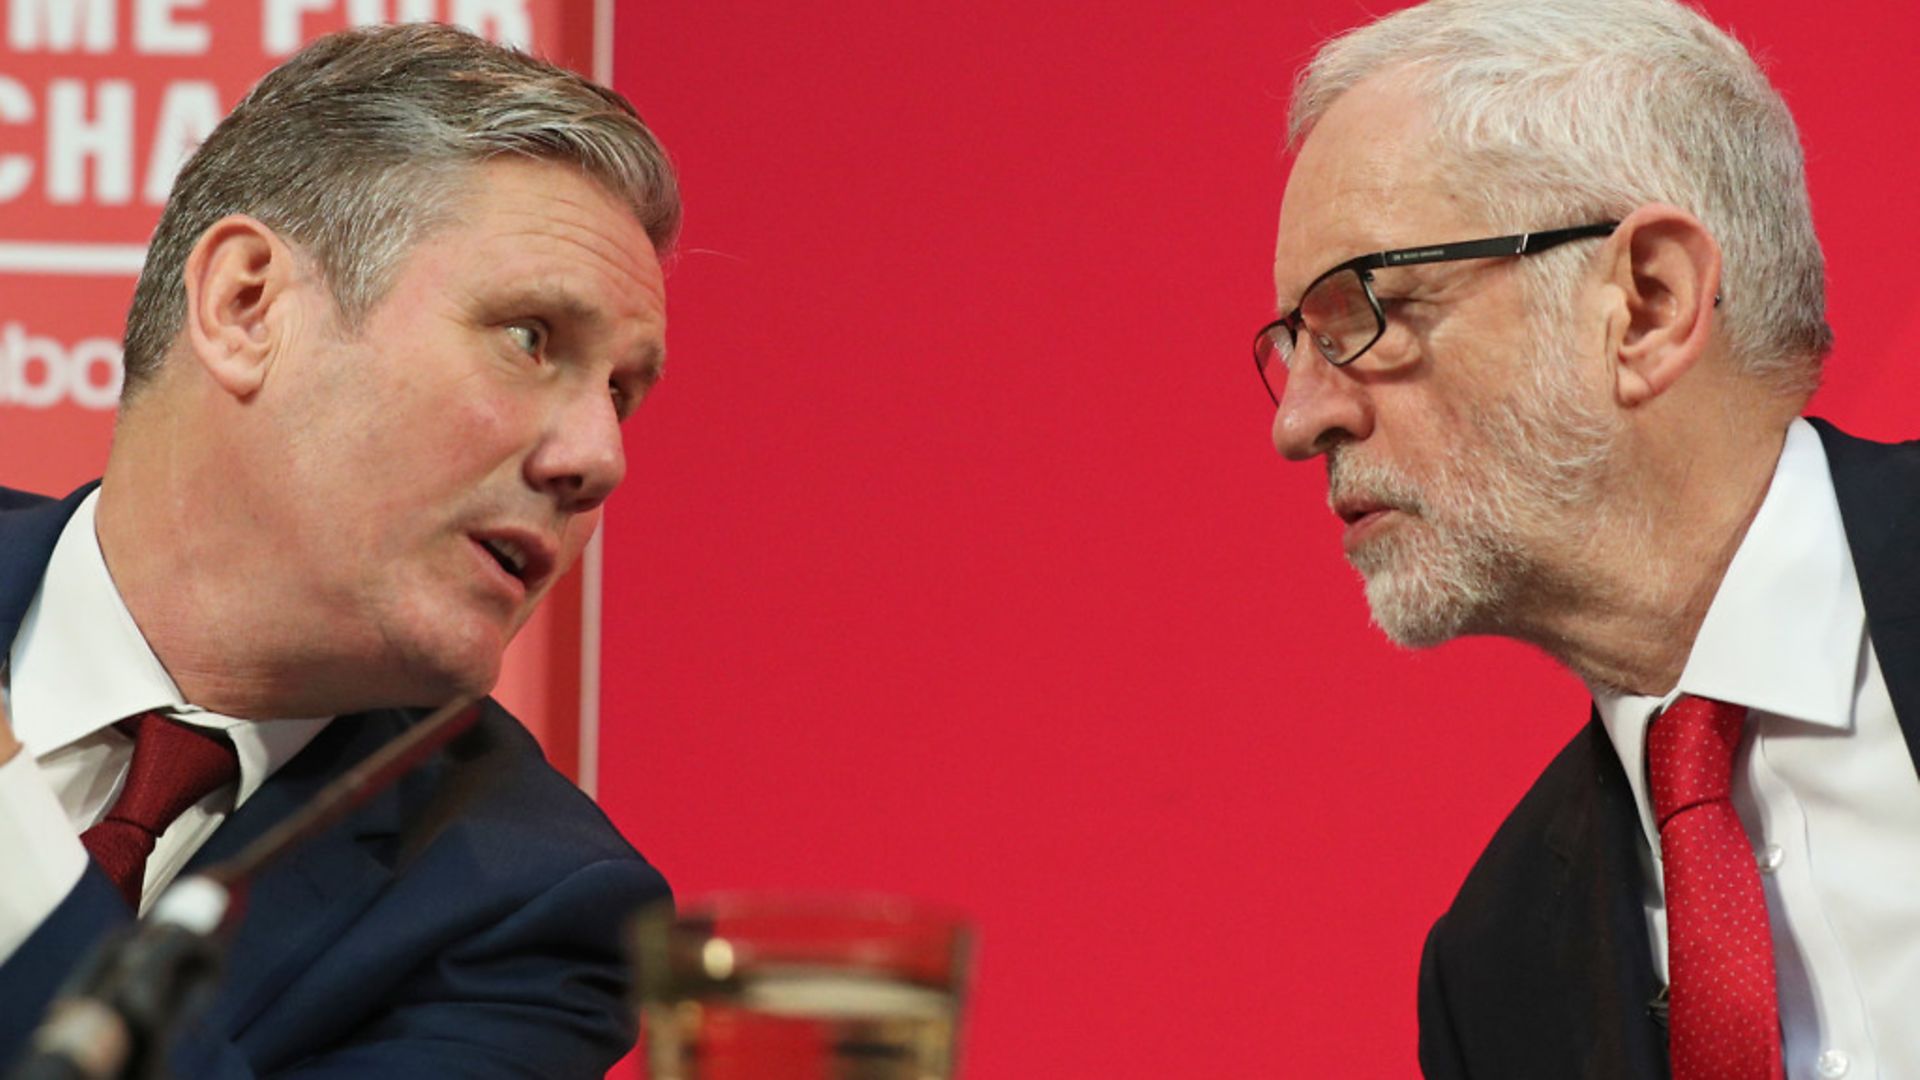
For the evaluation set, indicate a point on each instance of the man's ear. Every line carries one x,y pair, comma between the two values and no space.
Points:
238,275
1665,268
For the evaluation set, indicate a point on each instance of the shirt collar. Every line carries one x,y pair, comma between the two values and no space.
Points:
1784,631
80,664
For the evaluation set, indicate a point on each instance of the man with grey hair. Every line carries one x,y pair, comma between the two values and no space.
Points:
1553,307
391,321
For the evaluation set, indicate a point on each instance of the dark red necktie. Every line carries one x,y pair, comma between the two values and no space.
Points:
174,766
1723,1014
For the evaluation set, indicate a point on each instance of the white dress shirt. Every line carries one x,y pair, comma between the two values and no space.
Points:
79,665
1823,781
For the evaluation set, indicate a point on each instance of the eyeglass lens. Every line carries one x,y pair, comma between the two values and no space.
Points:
1337,319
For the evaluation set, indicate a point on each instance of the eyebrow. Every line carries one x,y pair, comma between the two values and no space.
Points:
557,299
652,362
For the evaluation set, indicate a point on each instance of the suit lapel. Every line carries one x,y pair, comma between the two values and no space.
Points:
1879,491
301,904
1598,930
1542,965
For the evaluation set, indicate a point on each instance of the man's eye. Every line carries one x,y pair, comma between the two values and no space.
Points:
529,336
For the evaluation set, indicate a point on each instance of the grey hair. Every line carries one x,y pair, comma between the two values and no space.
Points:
356,147
1561,112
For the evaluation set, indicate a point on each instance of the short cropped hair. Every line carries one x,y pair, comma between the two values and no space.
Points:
1562,112
356,148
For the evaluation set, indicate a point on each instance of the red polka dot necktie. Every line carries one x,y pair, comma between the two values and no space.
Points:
1723,1015
174,766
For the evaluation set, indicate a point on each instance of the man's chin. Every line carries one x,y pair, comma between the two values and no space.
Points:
1412,611
451,668
471,676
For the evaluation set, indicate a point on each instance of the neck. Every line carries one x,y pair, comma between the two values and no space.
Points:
1623,604
155,544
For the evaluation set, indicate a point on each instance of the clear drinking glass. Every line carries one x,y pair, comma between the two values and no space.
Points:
767,986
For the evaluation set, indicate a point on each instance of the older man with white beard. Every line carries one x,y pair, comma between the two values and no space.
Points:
1553,305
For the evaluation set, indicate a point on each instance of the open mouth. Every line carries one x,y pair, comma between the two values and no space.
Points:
511,556
525,555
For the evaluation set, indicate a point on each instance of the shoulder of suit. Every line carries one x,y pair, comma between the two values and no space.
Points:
14,499
1551,830
493,785
1843,449
20,500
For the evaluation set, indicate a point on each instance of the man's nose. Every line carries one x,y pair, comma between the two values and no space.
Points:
1321,407
581,458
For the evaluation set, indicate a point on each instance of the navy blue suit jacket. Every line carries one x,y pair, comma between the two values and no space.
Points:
463,923
1542,966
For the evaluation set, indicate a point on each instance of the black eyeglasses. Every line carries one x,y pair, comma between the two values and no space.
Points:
1342,316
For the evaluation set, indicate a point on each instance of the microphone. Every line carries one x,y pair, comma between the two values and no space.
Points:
114,1017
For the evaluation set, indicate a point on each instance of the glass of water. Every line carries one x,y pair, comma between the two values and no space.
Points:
768,986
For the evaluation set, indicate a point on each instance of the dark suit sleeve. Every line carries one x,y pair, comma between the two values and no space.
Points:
1440,1057
466,922
36,971
542,993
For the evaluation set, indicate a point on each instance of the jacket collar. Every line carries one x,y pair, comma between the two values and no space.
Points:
29,527
1879,491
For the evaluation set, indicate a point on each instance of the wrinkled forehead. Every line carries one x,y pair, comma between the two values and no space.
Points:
1366,179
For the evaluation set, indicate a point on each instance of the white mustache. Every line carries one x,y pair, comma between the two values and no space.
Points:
1351,477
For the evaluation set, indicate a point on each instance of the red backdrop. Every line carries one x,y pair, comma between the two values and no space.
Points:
955,559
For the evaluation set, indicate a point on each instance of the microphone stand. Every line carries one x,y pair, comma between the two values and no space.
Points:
114,1017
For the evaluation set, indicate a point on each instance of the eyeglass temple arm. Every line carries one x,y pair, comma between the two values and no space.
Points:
1517,244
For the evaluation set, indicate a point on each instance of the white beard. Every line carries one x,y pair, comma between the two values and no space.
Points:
1467,550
